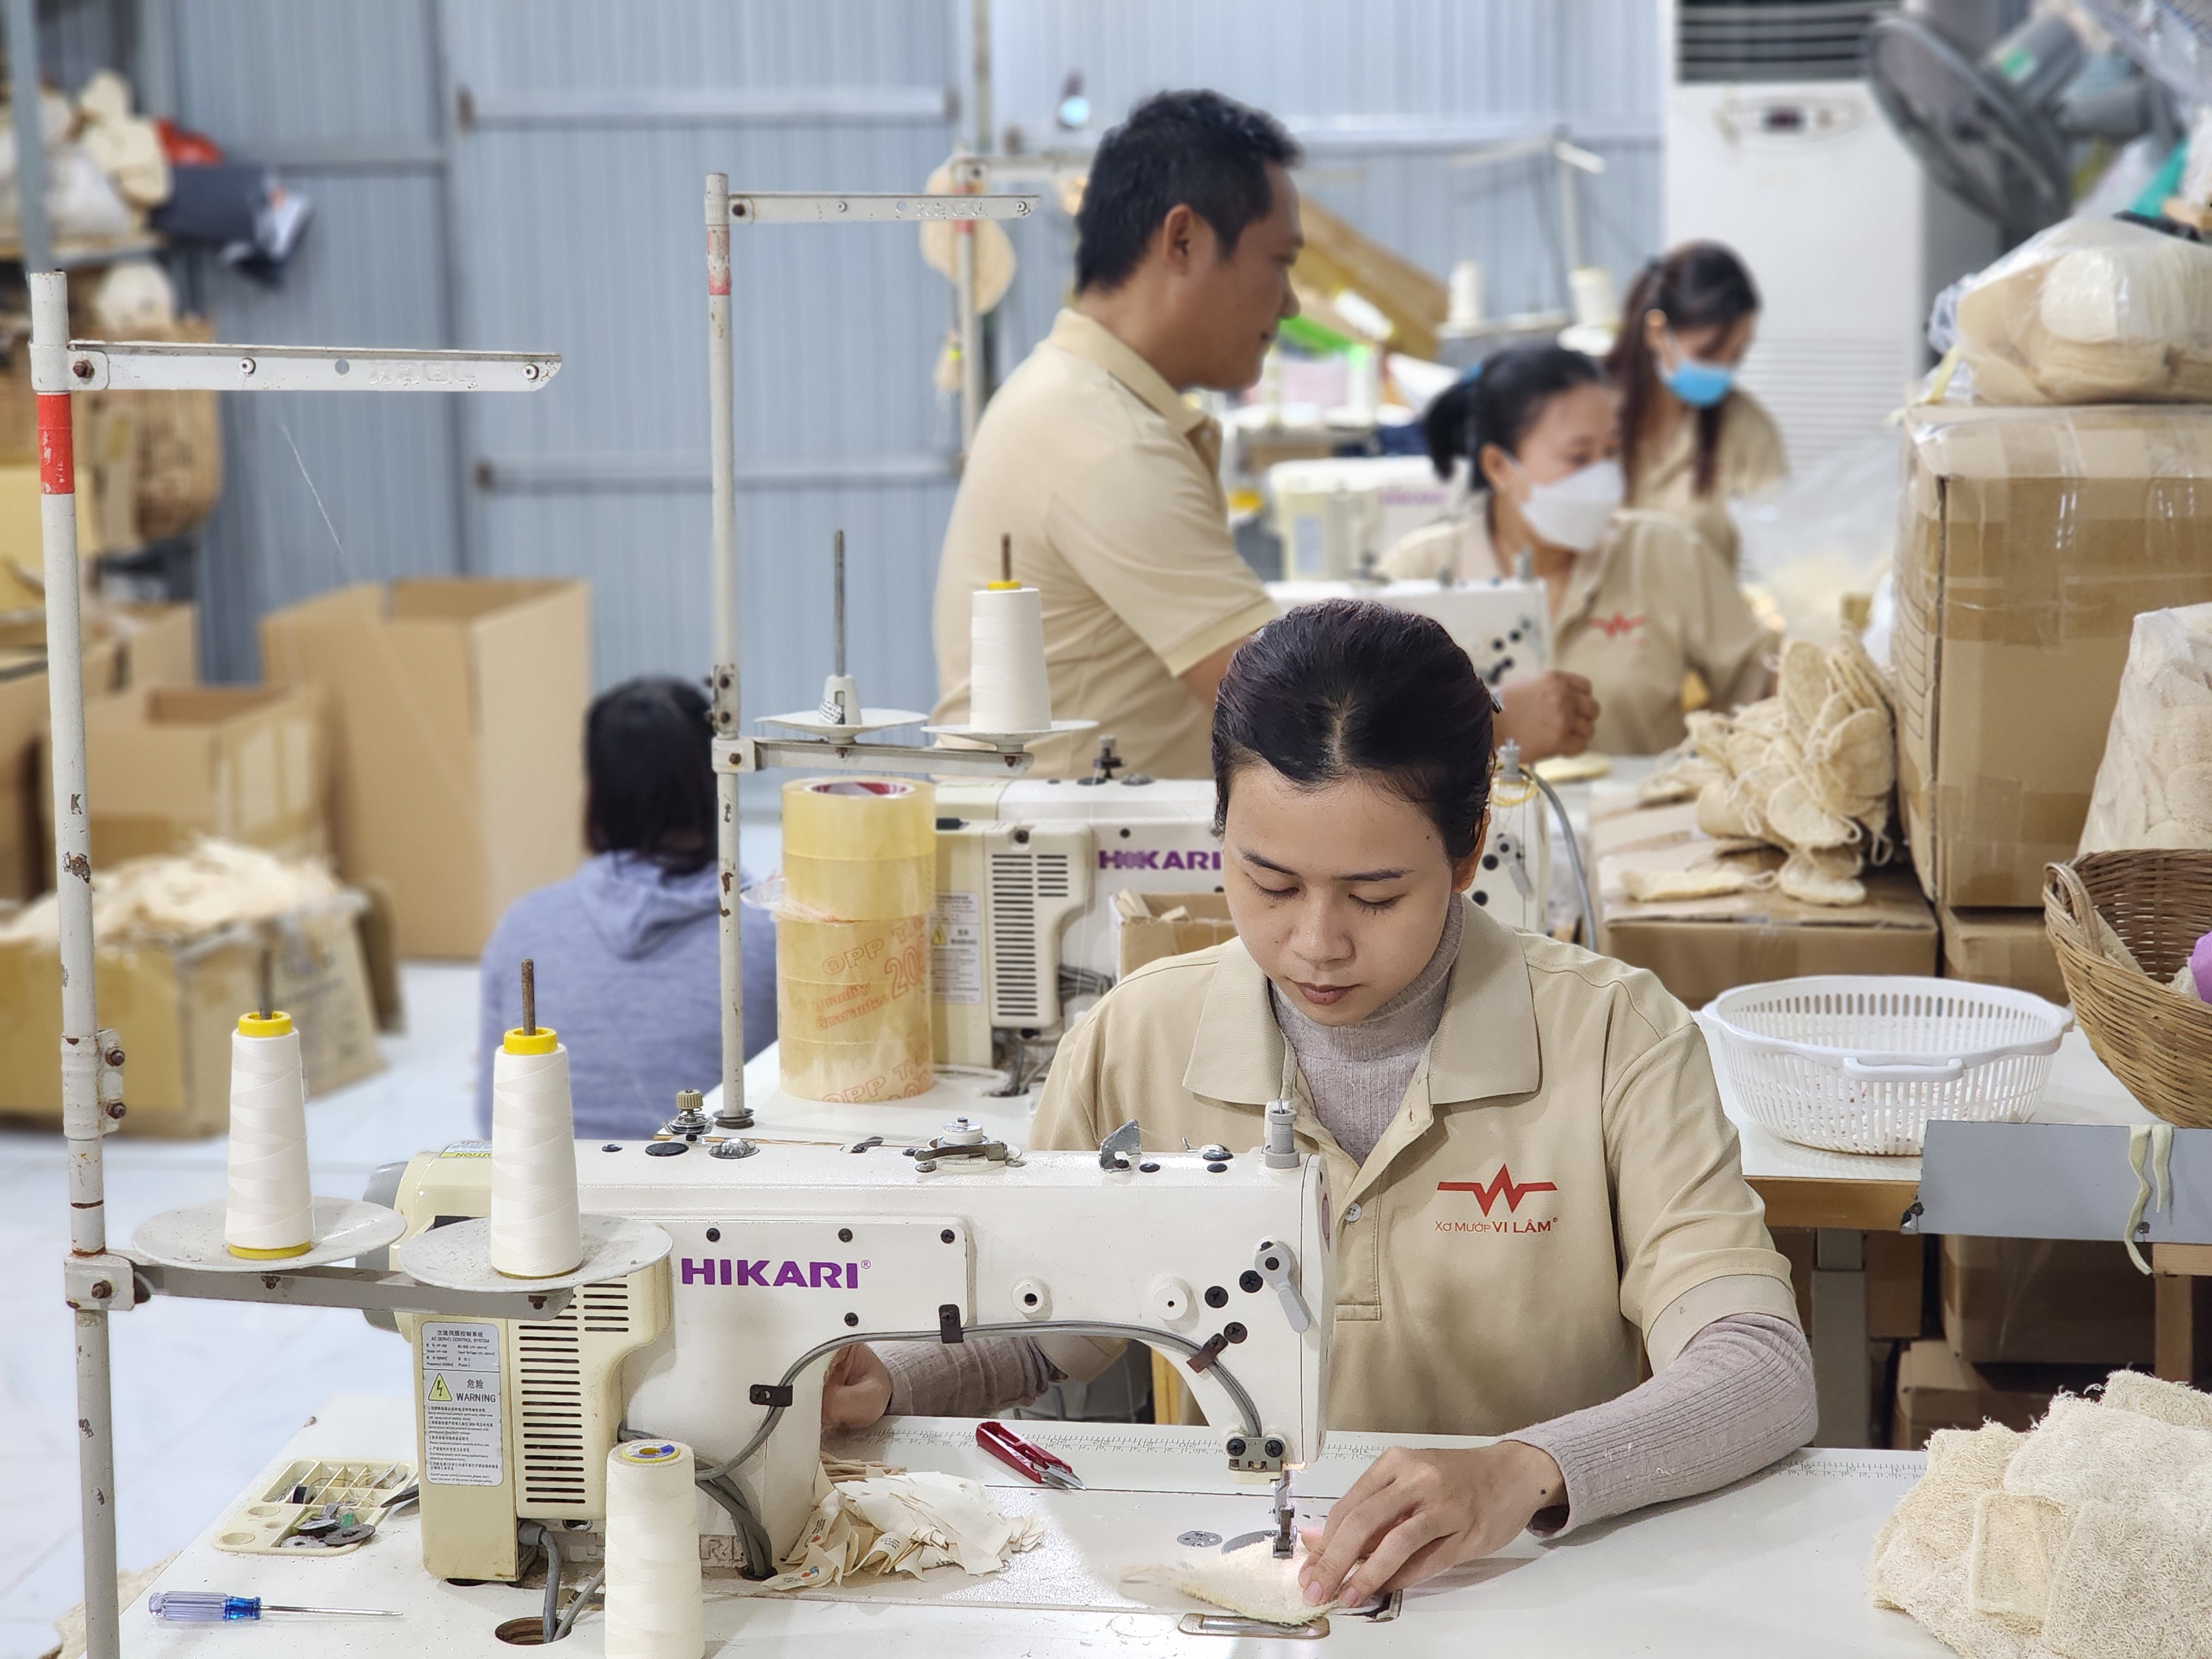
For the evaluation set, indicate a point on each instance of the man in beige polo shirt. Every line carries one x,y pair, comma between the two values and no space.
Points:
1109,482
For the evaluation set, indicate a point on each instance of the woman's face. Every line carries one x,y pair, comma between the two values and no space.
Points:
1577,428
1338,892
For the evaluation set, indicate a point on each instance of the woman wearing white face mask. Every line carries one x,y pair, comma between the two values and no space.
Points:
1692,440
1637,601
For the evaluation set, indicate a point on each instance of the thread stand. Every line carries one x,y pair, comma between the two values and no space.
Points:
192,1237
457,1256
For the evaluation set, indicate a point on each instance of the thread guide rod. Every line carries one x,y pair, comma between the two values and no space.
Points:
529,997
837,601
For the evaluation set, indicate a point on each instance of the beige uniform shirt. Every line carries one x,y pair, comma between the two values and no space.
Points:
1648,606
1559,1196
1748,458
1110,484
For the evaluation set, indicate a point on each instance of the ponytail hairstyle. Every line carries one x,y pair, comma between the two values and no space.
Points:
1499,402
1699,285
1348,688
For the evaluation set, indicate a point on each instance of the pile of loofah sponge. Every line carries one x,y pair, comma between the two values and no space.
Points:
1809,770
2089,1537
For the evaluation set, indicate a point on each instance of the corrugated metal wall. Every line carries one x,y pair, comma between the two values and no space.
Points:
1388,96
342,96
526,173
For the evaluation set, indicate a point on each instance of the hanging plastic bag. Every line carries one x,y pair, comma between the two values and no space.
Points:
2091,311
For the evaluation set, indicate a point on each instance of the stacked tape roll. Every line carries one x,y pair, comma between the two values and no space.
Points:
852,938
535,1231
269,1211
654,1609
1008,690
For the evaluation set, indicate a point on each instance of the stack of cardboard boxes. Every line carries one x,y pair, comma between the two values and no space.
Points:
2030,539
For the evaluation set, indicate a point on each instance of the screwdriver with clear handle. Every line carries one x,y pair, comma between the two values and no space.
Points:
214,1607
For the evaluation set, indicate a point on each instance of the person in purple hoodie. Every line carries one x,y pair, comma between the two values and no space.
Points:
625,949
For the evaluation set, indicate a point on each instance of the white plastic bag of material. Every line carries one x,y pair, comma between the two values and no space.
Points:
2155,787
2091,311
1820,534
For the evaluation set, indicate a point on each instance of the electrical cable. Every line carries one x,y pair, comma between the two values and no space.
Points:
549,1542
569,1620
1574,859
1237,1394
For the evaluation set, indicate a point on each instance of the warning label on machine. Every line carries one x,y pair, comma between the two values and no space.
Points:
461,1437
956,948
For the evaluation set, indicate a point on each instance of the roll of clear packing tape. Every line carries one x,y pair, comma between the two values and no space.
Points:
654,1599
852,1009
858,849
535,1231
268,1211
1008,690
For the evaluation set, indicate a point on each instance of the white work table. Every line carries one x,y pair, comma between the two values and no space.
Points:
1775,1563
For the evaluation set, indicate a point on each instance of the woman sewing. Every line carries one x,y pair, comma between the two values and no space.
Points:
1636,601
1535,1191
1693,441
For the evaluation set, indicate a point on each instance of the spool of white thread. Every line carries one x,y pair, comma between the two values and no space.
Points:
1008,690
535,1231
653,1598
1465,290
270,1210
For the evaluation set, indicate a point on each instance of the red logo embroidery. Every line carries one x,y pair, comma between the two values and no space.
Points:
1619,624
1502,1183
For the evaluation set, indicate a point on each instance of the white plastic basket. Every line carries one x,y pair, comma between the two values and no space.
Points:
1860,1064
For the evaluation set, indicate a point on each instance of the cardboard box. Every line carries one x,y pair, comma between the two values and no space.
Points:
25,864
1936,1389
2028,540
2001,947
244,762
160,645
1701,947
456,758
2045,1301
175,1006
1156,925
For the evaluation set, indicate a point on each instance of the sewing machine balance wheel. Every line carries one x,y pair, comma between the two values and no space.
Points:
457,1256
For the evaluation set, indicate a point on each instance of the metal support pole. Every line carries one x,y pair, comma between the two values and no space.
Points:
971,337
82,1116
1571,223
721,415
30,140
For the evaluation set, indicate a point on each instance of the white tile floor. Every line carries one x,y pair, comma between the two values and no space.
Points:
204,1391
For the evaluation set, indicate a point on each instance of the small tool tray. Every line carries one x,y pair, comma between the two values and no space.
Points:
270,1522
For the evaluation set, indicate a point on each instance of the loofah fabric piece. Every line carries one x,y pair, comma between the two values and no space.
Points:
1803,880
1647,886
1253,1581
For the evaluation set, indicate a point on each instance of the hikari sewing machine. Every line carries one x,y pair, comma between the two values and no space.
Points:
784,1252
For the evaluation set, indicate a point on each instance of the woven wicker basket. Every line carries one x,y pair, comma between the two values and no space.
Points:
2159,902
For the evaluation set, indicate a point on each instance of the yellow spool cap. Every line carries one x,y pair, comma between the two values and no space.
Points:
279,1024
240,1251
542,1041
1002,587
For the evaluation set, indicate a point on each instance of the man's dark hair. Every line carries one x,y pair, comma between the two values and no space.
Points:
1197,148
649,773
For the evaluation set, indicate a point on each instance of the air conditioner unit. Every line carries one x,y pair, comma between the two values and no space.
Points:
1774,145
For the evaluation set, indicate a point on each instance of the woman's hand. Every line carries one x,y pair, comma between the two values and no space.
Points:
858,1390
1551,714
1415,1513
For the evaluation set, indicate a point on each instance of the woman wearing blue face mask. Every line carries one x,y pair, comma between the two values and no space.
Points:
1692,440
1636,600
